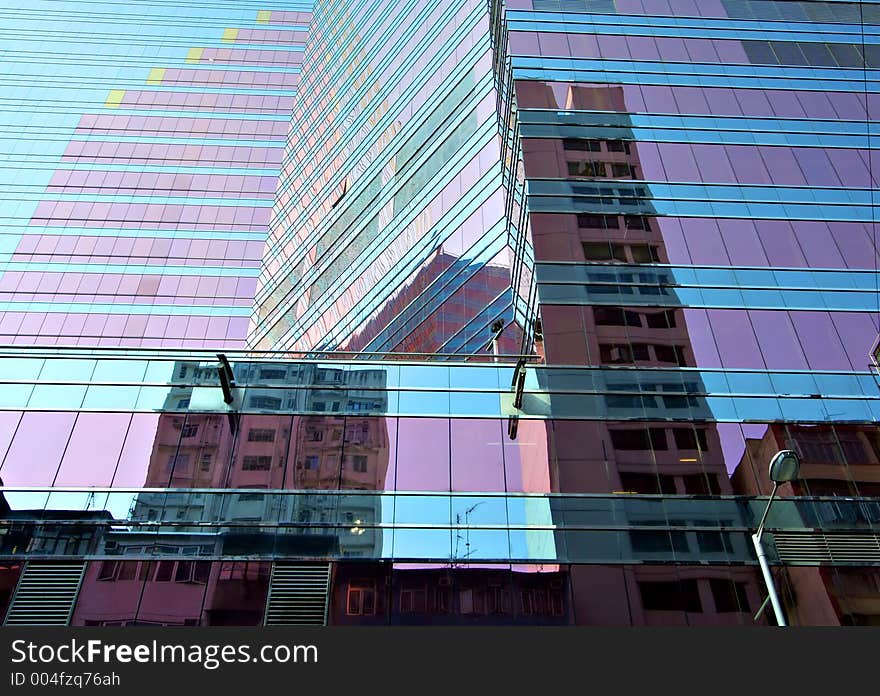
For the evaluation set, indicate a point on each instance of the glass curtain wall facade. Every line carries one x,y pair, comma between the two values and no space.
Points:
143,143
525,297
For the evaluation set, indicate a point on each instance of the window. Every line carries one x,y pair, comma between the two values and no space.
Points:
273,374
714,542
729,596
261,435
618,146
616,316
542,601
205,461
636,222
586,168
315,435
648,483
658,542
701,484
414,600
598,222
359,463
164,571
361,598
256,463
470,601
644,253
670,354
184,571
145,572
621,170
127,570
682,595
661,320
581,145
854,451
108,570
310,462
622,353
604,251
192,572
183,403
189,430
615,354
690,438
178,462
265,403
639,439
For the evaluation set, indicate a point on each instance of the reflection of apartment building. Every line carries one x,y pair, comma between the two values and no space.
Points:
839,461
626,452
264,453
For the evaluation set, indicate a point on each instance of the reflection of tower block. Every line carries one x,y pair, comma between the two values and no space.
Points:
190,451
335,452
260,458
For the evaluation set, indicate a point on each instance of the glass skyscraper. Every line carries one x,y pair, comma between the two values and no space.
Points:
472,312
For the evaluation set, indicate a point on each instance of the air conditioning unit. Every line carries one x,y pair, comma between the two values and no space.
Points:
539,330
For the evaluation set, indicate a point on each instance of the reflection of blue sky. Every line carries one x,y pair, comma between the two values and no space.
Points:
117,504
442,526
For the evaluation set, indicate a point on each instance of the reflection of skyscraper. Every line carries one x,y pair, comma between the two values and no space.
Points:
264,454
428,316
621,312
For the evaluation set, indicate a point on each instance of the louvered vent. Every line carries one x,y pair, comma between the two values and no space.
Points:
816,548
298,594
45,595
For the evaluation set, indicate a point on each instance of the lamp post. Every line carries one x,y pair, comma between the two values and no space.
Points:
784,467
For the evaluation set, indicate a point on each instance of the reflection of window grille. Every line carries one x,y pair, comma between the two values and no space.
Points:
178,462
256,463
359,463
266,403
196,572
261,435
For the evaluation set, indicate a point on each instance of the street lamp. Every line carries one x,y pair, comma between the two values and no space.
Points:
783,467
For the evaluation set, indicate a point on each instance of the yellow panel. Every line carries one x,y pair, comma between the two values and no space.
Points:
229,35
114,99
156,75
194,55
263,16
